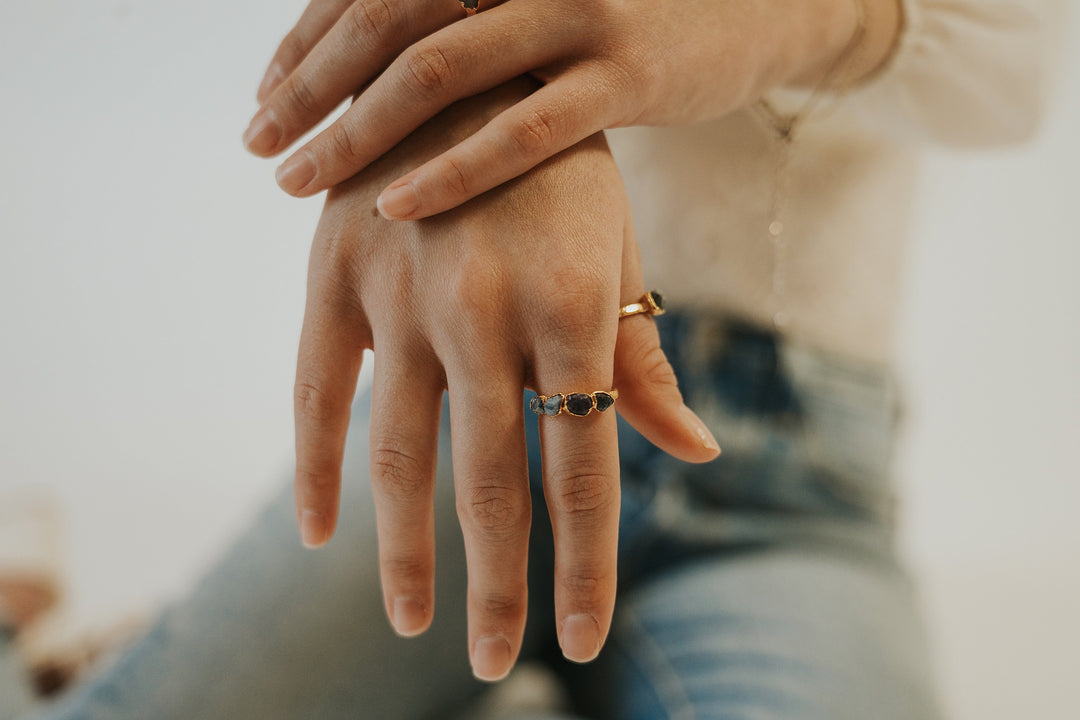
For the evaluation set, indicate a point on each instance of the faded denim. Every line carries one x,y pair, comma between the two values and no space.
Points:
762,585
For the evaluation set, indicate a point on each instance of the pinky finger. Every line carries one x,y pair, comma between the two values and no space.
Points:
518,139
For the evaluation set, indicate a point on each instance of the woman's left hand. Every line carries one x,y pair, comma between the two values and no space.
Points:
604,63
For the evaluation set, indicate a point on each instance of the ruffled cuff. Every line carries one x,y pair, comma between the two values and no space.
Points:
963,73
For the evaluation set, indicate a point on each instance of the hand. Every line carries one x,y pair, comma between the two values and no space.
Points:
604,64
518,288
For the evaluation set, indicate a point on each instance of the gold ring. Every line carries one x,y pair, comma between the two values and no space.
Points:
651,303
470,6
579,404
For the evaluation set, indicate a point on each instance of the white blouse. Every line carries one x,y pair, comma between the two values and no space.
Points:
964,73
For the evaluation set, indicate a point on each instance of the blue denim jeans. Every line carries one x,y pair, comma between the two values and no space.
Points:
761,585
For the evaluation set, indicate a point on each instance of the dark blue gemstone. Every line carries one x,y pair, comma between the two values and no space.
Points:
553,405
658,299
537,405
578,404
603,401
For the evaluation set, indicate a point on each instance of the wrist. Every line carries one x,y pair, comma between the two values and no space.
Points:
836,43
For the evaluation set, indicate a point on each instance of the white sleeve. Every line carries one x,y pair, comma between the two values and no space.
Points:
964,73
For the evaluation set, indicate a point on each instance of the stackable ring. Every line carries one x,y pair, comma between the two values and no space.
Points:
651,303
579,404
470,6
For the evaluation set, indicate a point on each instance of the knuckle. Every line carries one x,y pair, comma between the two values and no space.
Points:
454,177
535,133
408,570
498,512
428,69
298,97
342,143
370,19
501,605
398,473
293,47
583,584
583,493
656,369
314,404
479,283
316,481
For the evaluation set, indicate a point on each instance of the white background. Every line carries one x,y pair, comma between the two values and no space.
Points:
151,288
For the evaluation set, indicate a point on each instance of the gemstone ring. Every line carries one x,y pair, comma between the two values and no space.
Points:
579,404
651,303
470,6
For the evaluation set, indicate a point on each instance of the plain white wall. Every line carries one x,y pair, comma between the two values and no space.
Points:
151,288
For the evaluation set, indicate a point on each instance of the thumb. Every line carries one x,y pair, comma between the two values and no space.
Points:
649,396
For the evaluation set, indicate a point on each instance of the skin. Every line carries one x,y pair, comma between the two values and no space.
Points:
518,288
602,63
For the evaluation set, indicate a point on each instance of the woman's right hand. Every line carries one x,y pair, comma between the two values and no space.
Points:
519,288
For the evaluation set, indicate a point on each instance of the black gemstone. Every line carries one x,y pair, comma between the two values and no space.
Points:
578,404
553,405
470,4
537,405
657,299
603,401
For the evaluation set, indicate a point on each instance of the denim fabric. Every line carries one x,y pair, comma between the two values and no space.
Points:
762,585
15,695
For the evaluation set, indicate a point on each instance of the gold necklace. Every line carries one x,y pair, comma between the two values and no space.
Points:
786,127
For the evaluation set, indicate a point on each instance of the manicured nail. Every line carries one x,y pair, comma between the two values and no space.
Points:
273,77
264,133
312,529
707,440
491,658
398,202
296,173
580,638
410,617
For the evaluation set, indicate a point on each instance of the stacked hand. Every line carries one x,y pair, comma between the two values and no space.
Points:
520,288
604,63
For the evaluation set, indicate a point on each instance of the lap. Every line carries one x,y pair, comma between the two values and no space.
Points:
758,587
771,633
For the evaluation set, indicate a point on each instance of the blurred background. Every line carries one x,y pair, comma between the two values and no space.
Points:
151,290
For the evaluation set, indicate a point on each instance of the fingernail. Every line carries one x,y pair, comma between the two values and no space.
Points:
312,530
580,638
410,617
264,133
707,440
397,203
274,75
296,173
491,658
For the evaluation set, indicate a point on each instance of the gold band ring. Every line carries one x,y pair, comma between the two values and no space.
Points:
579,404
651,303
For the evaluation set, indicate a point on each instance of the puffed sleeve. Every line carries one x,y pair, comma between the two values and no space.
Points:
964,72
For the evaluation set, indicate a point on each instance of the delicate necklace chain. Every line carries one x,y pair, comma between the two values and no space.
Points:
786,126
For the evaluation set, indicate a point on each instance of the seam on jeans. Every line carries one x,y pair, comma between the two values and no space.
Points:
656,664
